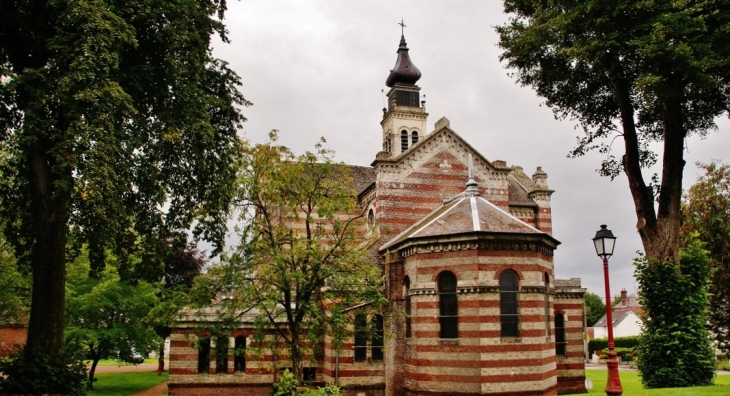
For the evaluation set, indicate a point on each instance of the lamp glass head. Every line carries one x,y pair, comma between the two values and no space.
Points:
604,242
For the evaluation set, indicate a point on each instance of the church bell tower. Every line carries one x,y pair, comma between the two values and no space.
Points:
404,120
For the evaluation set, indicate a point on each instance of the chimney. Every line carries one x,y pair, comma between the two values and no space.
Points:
624,298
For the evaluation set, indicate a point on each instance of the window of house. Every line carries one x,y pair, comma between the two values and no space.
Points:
221,355
414,137
407,286
448,306
508,304
371,219
239,361
203,355
547,305
403,140
560,344
377,341
361,338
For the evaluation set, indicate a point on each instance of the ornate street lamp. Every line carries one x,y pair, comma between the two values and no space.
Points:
604,242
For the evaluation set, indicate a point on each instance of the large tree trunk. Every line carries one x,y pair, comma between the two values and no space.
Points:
161,358
658,229
50,198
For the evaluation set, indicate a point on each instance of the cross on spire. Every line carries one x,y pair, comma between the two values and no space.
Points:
402,26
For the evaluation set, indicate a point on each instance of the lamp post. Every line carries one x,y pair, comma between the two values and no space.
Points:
604,242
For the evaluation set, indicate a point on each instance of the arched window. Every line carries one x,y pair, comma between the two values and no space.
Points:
508,304
560,344
371,219
448,306
221,355
407,286
203,355
377,342
361,338
403,141
547,305
239,361
414,137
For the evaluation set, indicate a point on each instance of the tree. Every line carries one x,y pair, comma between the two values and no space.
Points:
707,213
595,308
301,264
675,348
643,71
117,121
107,316
182,263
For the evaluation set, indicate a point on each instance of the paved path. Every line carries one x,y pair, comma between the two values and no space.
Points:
157,390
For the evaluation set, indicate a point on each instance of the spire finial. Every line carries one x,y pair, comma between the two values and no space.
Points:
402,26
471,184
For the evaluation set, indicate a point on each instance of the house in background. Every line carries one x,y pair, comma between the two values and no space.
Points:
627,320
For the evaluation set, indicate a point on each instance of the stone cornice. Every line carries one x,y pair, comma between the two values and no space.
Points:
542,243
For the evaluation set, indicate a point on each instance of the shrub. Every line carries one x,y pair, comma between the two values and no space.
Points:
675,349
32,372
287,385
619,342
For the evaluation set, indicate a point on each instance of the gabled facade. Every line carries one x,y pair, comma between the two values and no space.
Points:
467,251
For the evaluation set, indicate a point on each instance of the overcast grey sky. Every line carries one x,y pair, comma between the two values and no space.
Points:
318,68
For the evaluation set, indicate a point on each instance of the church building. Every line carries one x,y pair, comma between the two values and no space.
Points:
466,246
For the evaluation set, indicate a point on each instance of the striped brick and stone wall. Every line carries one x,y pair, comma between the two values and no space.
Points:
569,297
479,361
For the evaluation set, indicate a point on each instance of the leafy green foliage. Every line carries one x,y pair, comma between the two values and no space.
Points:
641,71
181,263
106,316
117,124
301,263
35,373
595,308
675,348
329,390
14,288
707,212
287,385
619,342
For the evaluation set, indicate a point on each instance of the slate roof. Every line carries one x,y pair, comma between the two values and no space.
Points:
466,213
617,316
517,194
362,177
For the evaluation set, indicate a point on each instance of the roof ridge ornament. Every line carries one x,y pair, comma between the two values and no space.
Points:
472,187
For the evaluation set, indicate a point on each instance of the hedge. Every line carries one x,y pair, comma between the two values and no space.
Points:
620,342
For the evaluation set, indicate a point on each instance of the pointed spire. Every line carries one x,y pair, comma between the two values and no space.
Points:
404,72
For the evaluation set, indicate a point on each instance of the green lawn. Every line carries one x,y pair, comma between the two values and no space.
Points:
631,383
112,362
125,384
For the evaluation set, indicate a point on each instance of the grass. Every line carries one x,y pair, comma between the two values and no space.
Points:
125,384
631,383
112,362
